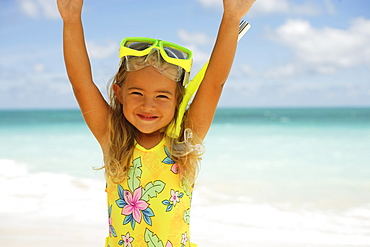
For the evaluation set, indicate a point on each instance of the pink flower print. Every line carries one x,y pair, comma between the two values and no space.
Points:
175,168
134,204
111,229
112,232
169,244
174,197
184,239
127,240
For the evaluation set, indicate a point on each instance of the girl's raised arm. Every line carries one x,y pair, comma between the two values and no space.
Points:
92,104
203,107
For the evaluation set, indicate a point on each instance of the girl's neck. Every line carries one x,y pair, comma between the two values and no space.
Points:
149,141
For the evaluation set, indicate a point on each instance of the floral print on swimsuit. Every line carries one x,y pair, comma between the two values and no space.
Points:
150,207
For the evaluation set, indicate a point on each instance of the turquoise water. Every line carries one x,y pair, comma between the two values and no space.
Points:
50,141
303,171
317,157
273,144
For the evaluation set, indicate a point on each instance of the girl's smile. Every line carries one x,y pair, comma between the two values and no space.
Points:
146,117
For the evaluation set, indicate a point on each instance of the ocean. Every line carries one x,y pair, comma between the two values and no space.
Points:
292,177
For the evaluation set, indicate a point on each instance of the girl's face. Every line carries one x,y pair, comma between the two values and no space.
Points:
149,99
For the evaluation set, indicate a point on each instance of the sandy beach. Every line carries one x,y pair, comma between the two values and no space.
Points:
26,230
17,231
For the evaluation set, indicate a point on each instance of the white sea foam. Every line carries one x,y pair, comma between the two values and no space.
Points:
49,194
71,209
243,220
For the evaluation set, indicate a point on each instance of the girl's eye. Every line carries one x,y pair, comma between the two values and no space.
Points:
136,93
162,96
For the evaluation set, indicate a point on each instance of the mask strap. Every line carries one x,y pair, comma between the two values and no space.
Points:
173,130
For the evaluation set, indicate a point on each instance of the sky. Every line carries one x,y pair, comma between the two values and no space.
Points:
298,53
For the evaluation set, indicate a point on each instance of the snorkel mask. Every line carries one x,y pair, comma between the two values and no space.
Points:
171,60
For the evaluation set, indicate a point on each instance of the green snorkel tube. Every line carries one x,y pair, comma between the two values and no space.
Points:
173,129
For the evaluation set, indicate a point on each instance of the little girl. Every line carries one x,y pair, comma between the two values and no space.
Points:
150,169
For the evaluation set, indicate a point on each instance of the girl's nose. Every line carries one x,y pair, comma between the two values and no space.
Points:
148,104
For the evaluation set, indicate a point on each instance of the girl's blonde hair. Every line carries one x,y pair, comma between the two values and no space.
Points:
185,151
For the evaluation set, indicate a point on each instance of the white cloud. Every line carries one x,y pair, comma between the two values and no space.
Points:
270,6
247,70
101,51
329,7
39,67
263,7
193,41
211,3
49,8
197,38
39,8
325,50
283,71
30,8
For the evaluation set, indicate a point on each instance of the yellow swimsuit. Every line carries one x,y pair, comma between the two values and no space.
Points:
150,207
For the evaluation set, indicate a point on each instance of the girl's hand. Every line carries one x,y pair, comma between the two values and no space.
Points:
70,10
237,8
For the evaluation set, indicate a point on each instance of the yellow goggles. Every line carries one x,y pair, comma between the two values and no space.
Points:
170,52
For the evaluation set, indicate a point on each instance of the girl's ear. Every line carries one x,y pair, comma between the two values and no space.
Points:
118,93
